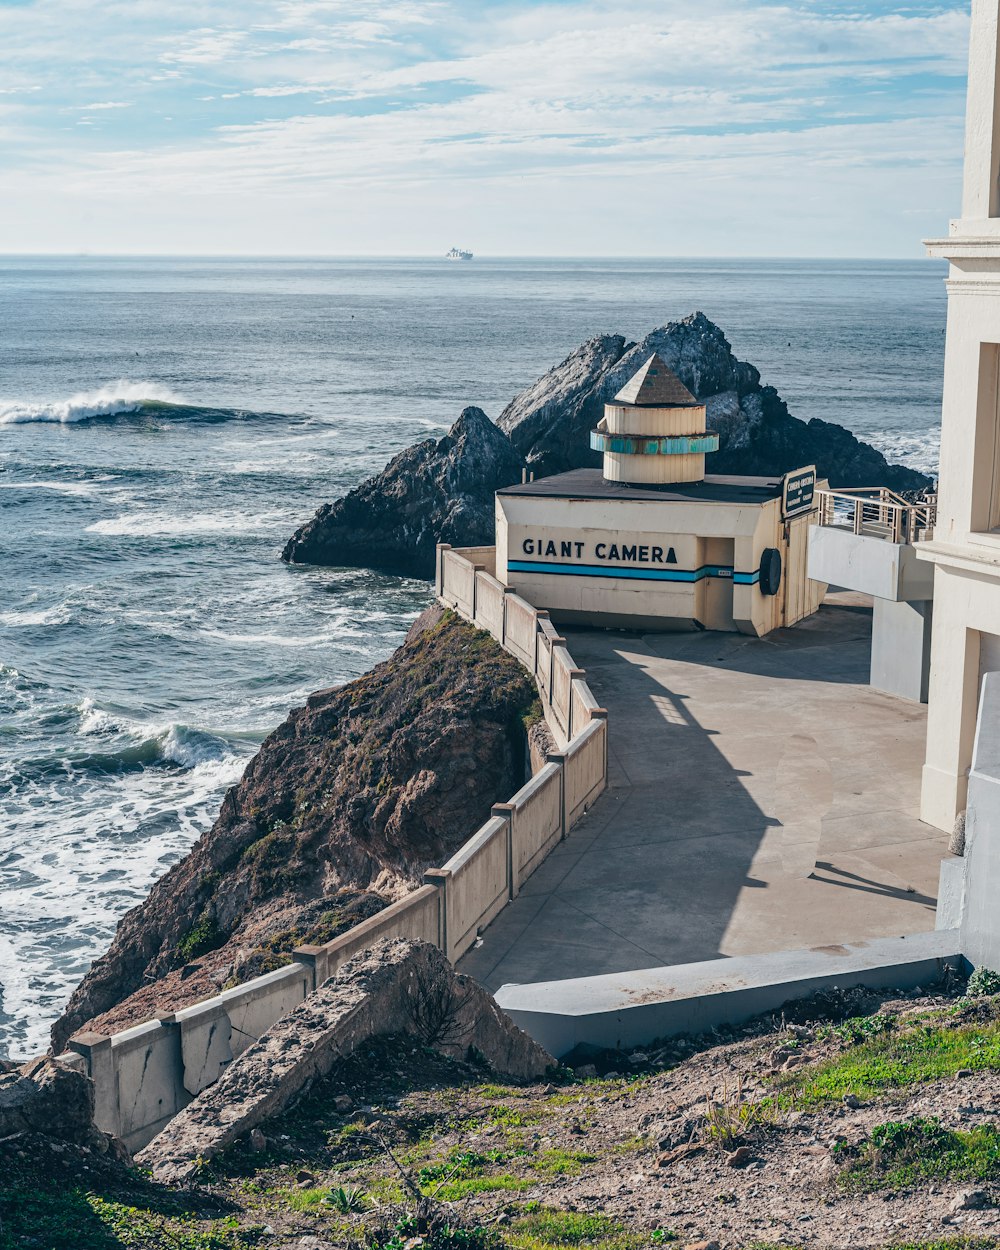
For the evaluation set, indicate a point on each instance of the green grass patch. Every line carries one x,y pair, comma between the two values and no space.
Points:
559,1162
770,1245
895,1059
949,1243
203,936
509,1117
310,1199
461,1164
898,1154
497,1093
452,1190
548,1229
73,1219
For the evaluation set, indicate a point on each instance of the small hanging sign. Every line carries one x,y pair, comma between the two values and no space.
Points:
797,491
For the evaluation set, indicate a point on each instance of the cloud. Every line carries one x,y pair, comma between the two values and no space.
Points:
423,98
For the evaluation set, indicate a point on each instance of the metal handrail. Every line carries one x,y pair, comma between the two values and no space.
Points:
876,512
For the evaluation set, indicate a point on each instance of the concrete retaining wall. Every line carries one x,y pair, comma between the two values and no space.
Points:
143,1076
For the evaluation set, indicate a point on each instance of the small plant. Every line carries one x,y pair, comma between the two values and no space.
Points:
549,1229
982,983
461,1164
898,1154
861,1028
346,1199
431,1228
659,1236
731,1117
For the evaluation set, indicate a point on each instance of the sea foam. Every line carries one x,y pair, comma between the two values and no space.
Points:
107,401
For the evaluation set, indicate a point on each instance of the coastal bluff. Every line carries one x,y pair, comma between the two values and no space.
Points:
339,814
442,490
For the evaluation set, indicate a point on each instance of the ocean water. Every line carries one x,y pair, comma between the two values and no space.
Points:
165,425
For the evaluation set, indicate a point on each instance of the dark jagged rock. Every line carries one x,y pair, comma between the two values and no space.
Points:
549,423
343,808
440,490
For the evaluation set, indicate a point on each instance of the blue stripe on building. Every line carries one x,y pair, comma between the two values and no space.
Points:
645,575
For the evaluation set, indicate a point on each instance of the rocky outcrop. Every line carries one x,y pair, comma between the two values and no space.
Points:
549,423
45,1099
343,808
398,986
443,491
440,490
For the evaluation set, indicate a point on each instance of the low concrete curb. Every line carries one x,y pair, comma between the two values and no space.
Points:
626,1009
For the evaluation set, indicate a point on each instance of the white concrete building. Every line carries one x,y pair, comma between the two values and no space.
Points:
965,549
652,541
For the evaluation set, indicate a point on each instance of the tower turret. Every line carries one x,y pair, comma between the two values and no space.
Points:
653,431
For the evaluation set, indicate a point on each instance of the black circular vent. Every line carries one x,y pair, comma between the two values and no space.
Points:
770,571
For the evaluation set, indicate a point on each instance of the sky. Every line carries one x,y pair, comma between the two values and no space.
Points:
405,127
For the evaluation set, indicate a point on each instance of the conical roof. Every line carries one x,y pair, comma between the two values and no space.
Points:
655,386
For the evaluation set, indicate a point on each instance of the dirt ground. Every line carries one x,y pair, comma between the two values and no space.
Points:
743,1142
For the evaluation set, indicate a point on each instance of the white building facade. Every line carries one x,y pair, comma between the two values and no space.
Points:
965,549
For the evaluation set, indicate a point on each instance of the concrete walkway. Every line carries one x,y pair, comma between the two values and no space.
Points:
762,798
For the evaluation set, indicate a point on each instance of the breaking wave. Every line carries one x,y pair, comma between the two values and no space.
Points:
118,745
920,451
118,399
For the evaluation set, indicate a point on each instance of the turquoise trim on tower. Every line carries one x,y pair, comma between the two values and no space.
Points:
652,445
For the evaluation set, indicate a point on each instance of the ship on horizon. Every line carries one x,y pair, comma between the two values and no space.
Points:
458,253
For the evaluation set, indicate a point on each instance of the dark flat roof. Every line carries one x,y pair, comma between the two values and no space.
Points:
591,484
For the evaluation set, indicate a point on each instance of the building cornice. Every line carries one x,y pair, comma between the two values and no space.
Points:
959,247
967,557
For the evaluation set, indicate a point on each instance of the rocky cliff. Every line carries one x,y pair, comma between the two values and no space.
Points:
443,491
342,809
440,490
549,423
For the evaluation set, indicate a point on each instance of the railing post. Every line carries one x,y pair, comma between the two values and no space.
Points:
601,713
559,757
476,570
439,877
553,643
313,958
96,1050
439,567
506,813
507,590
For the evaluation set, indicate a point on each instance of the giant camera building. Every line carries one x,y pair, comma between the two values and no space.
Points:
652,541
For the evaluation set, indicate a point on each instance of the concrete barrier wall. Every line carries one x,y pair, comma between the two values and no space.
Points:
543,667
477,884
520,628
585,766
583,705
147,1065
485,557
143,1076
536,815
489,604
561,695
416,916
459,583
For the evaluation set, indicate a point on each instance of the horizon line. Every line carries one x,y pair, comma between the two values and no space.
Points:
617,256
